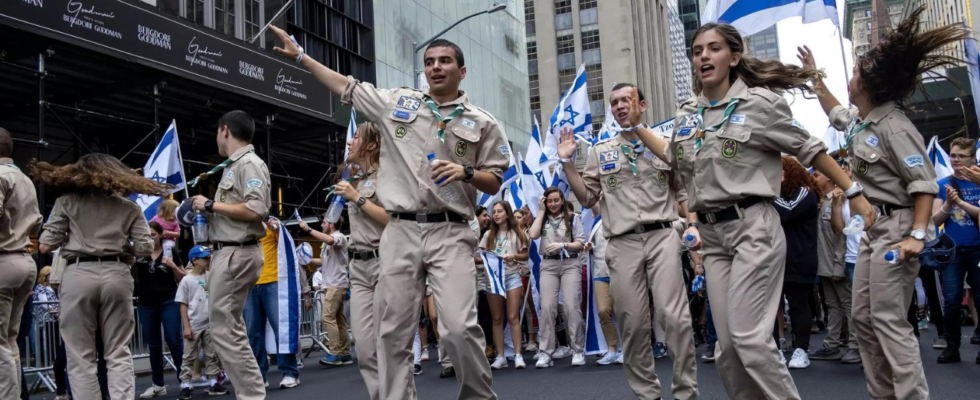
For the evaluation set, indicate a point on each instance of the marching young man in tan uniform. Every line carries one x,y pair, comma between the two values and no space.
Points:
638,195
428,233
235,227
727,146
19,218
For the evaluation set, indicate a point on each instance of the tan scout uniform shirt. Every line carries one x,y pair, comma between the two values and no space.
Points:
743,158
99,225
888,157
830,247
366,234
630,200
408,130
554,230
247,181
19,215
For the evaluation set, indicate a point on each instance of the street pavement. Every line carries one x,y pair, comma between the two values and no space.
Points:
823,380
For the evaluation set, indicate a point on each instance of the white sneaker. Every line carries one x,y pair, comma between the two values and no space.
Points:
537,356
782,357
425,354
519,362
619,358
499,363
562,352
609,358
532,347
288,382
544,361
800,360
154,391
578,359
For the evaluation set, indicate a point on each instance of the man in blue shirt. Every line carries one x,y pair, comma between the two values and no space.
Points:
956,207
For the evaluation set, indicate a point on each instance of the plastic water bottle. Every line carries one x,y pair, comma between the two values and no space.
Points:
447,193
336,208
892,256
690,241
854,226
200,228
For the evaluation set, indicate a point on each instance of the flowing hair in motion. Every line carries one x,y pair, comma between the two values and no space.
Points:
97,173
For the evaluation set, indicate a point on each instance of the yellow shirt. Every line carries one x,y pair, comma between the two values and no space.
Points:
270,249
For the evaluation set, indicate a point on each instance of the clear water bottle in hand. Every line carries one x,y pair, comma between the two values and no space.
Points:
200,228
893,256
448,193
854,226
690,241
336,208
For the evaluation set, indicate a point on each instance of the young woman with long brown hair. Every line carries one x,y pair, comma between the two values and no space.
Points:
890,160
562,238
99,232
727,146
508,241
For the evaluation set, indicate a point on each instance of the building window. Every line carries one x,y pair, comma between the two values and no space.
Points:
587,4
566,44
253,17
590,39
867,13
529,17
566,78
593,80
224,16
532,51
563,6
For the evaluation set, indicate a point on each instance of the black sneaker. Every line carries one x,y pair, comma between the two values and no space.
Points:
826,353
949,356
185,393
417,370
217,390
976,338
447,372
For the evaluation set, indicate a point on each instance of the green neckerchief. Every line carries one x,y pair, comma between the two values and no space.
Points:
856,129
352,179
443,121
630,155
699,138
214,170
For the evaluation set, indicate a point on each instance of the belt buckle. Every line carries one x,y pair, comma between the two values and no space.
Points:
738,211
422,218
640,229
710,217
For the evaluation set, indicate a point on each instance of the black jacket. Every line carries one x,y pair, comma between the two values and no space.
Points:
798,215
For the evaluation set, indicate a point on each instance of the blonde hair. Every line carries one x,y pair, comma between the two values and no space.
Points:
167,210
44,277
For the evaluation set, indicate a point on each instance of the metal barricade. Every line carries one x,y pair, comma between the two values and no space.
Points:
311,324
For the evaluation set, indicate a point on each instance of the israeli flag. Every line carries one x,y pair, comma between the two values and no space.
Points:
973,67
833,138
536,158
595,341
351,130
164,166
485,200
513,171
534,264
494,267
287,339
560,181
573,111
610,128
753,16
939,158
531,189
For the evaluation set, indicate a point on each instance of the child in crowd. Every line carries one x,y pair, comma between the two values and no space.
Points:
167,219
193,299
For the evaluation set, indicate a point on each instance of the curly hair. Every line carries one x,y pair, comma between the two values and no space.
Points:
97,173
795,177
893,69
770,74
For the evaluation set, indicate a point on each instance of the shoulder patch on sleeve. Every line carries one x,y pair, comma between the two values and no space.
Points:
914,160
253,183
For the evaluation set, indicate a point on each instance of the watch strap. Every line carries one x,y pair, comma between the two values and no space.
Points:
361,201
854,191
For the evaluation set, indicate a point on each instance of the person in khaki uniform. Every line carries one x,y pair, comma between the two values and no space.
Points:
428,233
638,194
99,232
727,145
889,159
19,218
562,238
235,227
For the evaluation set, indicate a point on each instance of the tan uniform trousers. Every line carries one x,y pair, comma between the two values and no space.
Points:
604,301
567,274
363,291
641,264
234,271
192,347
335,322
882,294
17,273
444,252
98,296
744,262
838,297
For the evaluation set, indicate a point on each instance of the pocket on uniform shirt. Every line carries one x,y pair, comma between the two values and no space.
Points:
866,156
463,141
402,120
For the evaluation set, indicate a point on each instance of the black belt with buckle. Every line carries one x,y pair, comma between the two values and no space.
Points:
889,209
431,218
559,257
730,213
647,228
363,255
95,259
220,245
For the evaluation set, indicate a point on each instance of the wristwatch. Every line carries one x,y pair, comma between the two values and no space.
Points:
565,160
468,173
360,201
855,191
918,234
693,225
208,205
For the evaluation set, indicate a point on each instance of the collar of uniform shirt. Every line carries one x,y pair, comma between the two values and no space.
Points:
7,161
462,99
880,112
238,154
738,91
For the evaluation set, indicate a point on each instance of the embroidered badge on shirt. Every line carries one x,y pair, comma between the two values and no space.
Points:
612,181
797,124
662,177
401,131
401,114
738,119
608,166
460,148
469,123
914,161
689,121
368,183
729,148
230,174
505,150
872,141
253,183
608,156
409,103
680,151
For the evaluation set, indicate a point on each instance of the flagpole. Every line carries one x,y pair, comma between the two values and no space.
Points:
180,156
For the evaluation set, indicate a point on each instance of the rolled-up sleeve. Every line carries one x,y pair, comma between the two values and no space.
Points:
913,166
840,117
139,232
490,158
56,228
785,135
578,231
367,99
680,192
255,188
593,185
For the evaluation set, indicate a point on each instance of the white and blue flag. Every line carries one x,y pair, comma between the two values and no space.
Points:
833,139
284,337
754,16
164,166
536,158
351,130
560,181
939,158
973,67
595,341
573,111
531,189
494,266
